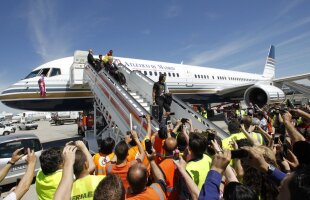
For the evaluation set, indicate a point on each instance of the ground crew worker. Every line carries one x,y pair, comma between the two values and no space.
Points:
85,184
168,167
121,166
104,156
138,177
199,165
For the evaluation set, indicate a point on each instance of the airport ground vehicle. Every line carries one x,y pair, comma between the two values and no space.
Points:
28,125
8,144
6,130
60,118
10,125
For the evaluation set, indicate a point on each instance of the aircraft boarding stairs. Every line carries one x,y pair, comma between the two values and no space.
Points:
122,106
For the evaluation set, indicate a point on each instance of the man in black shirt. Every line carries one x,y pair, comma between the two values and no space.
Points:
161,97
90,58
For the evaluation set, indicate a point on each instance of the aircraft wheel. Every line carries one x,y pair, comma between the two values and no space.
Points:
6,133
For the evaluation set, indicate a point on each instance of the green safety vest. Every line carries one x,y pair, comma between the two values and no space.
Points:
198,170
46,185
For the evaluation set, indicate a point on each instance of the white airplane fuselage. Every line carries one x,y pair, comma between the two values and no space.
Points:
193,84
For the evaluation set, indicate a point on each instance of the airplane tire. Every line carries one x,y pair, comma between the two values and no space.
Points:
6,133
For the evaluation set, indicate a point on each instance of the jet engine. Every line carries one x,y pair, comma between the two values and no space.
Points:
263,94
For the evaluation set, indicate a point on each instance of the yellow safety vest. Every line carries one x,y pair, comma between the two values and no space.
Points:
258,137
198,170
46,185
240,113
236,136
85,187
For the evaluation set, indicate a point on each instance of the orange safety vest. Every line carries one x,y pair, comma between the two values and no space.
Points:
172,178
84,120
158,146
100,162
133,153
121,170
153,192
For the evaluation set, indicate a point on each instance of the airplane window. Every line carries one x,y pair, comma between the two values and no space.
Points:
177,74
217,77
198,76
195,76
173,74
44,71
208,76
204,76
55,72
155,73
213,77
145,72
159,73
165,73
33,74
169,74
150,73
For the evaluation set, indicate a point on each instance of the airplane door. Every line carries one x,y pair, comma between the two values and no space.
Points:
189,79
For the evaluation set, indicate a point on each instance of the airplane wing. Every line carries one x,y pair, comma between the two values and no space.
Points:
291,82
292,78
235,89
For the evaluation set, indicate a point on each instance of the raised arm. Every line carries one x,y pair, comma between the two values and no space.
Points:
191,185
249,136
140,147
81,146
24,184
64,188
15,157
291,130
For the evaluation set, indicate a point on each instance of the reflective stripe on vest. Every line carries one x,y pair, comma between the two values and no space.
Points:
158,191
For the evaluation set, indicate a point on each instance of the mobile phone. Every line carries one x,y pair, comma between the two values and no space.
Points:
148,146
276,140
23,151
239,153
210,137
290,104
168,122
144,116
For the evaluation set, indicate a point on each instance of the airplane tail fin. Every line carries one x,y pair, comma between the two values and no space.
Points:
269,70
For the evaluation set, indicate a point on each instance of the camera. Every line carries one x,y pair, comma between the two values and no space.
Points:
148,146
184,120
239,153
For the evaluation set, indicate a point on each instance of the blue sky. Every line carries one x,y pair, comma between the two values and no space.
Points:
223,34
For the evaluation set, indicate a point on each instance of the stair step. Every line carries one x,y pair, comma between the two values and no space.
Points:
140,100
144,104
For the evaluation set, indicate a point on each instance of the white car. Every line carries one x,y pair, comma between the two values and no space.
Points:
5,130
28,125
8,144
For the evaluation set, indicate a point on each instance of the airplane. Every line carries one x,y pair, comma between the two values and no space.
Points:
193,84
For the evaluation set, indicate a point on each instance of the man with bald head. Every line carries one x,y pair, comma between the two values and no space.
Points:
168,167
137,178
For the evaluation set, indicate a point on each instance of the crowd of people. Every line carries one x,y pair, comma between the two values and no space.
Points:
265,157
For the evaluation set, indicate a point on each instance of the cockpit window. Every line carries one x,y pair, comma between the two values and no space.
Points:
55,72
33,74
44,71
